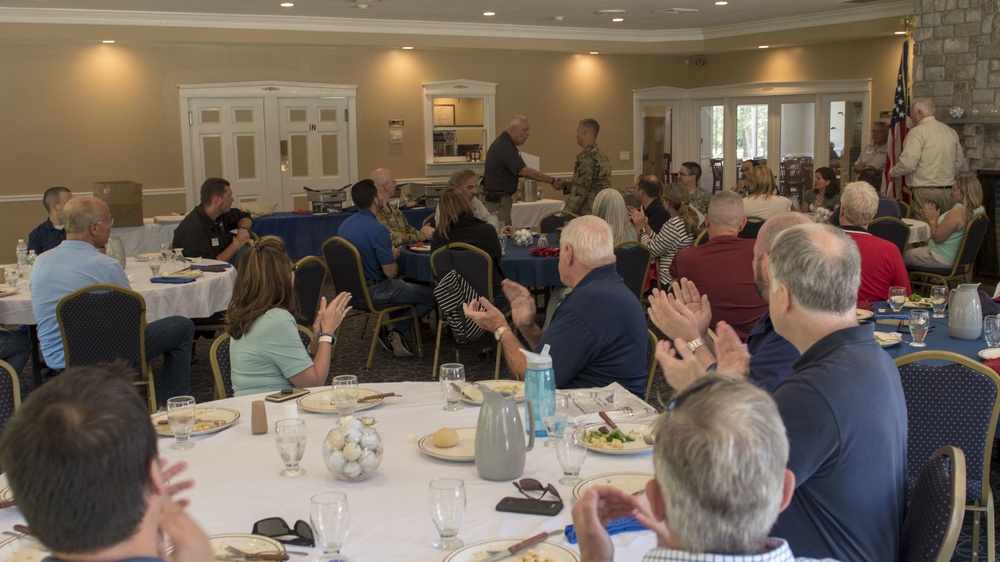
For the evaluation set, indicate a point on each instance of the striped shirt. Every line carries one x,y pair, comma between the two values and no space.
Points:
665,243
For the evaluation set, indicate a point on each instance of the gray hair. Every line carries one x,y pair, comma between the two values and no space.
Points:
923,106
858,203
820,265
81,212
720,459
516,120
610,206
592,240
726,209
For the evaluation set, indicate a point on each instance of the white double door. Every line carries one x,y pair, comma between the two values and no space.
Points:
269,148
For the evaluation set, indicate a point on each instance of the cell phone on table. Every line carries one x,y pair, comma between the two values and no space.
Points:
530,506
286,394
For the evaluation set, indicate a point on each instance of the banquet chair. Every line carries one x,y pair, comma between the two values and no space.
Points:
934,509
650,363
310,273
476,267
702,238
553,222
222,367
752,227
904,209
105,323
427,220
632,261
344,263
891,229
954,404
716,164
965,260
10,393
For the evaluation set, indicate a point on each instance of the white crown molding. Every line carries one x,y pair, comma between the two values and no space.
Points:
37,197
402,27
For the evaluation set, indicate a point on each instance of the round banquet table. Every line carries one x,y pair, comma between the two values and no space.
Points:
938,338
208,294
517,264
919,231
237,481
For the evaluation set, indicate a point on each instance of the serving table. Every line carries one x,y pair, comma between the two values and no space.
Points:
527,214
237,480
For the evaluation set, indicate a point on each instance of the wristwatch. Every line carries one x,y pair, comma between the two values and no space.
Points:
499,332
695,344
326,337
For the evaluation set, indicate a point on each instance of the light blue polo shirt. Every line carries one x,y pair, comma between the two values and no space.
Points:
268,355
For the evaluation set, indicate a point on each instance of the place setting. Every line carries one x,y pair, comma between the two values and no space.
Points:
183,420
344,397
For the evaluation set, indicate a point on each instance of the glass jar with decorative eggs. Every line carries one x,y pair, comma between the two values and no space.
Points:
353,451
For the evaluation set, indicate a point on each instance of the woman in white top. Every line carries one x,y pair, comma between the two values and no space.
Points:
677,233
763,200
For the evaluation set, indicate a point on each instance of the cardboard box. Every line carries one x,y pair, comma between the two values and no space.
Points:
125,200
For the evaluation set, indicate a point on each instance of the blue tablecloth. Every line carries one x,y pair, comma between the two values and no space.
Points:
304,234
938,338
517,264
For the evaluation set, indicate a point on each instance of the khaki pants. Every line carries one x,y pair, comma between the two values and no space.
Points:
938,196
502,209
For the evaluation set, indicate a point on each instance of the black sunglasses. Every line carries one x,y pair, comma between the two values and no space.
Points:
275,527
695,388
526,485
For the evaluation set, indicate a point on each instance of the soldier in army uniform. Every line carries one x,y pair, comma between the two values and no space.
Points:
399,228
591,173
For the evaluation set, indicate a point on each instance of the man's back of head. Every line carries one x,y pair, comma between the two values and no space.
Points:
820,265
364,194
591,239
775,225
725,214
53,196
78,456
858,204
81,212
720,459
650,186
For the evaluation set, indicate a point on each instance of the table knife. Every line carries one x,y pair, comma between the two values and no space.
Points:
527,543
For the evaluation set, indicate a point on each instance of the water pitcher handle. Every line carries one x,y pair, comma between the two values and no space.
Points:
531,424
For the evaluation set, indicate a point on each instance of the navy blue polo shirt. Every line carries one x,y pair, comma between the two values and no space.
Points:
45,237
771,356
372,240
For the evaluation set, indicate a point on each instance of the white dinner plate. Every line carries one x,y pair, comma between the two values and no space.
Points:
148,256
6,494
215,419
321,402
631,447
991,353
472,394
465,451
250,544
420,248
7,291
628,482
888,339
864,314
480,551
22,549
922,303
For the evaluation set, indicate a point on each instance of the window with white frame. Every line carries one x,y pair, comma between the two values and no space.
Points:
459,124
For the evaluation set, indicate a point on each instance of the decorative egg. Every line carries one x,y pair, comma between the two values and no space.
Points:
335,440
369,439
352,470
353,423
352,451
336,460
353,435
366,460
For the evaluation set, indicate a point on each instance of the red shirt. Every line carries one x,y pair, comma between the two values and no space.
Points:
722,268
881,266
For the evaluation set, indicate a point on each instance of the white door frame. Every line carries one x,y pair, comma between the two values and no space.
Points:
270,91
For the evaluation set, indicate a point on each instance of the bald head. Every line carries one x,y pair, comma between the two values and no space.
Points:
725,214
385,182
920,108
80,213
820,265
774,226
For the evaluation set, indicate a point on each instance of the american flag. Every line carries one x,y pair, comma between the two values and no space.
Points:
896,188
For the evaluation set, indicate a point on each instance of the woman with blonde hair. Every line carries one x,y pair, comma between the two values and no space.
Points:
763,200
610,206
266,354
677,233
948,228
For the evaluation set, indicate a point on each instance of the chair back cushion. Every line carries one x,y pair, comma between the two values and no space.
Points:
891,229
474,265
8,393
225,364
102,323
751,229
935,508
310,272
974,234
632,263
554,221
344,263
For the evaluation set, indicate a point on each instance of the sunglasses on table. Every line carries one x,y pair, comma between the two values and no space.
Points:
526,485
277,529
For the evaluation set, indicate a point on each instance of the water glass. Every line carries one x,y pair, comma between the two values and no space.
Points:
571,452
897,298
166,250
179,256
991,330
331,519
154,266
290,438
939,298
180,416
555,422
12,274
452,380
446,500
345,394
543,241
503,244
920,323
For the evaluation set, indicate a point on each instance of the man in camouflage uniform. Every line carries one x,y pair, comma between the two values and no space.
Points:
591,173
401,231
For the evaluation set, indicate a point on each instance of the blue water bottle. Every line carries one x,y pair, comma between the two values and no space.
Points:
540,387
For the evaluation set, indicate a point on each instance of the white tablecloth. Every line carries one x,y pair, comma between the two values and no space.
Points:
919,231
527,214
146,238
209,293
238,481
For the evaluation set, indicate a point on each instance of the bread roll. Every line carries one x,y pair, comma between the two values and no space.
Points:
445,437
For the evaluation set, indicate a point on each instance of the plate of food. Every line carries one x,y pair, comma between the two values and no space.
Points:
322,402
991,353
888,339
447,444
541,552
472,394
864,314
206,420
415,248
226,546
23,548
629,482
625,440
148,256
7,291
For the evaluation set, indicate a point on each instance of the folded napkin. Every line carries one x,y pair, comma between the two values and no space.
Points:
993,364
212,266
545,252
172,280
892,316
623,525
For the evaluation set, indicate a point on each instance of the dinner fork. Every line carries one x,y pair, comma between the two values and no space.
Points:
648,438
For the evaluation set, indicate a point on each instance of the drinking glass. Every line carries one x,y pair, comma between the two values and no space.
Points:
179,256
447,503
543,241
452,382
331,519
555,422
920,323
991,330
180,415
166,251
11,273
345,394
503,244
290,437
897,298
939,298
154,266
571,452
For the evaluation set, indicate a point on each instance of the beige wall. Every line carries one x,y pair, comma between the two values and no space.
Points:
83,112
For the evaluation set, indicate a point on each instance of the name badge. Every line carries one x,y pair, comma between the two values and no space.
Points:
215,242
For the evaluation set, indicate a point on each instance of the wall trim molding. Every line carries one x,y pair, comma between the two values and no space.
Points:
37,197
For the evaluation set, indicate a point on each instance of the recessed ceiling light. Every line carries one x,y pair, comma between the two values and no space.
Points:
616,20
286,4
721,3
763,46
595,52
489,13
108,41
407,48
